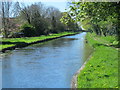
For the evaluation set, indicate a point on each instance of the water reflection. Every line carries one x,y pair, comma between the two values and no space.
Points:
46,65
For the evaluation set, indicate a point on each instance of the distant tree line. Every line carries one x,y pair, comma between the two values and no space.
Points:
21,20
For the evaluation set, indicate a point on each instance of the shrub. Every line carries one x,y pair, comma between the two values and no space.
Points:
16,35
28,30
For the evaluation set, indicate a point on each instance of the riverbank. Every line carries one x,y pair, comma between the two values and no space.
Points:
13,43
101,71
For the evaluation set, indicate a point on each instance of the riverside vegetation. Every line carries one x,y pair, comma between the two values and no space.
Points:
23,24
101,71
8,42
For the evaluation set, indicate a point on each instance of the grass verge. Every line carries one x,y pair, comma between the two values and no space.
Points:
9,42
101,71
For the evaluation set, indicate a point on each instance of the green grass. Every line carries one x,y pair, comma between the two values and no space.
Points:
17,41
101,71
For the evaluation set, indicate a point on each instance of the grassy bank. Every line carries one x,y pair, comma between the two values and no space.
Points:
6,43
101,71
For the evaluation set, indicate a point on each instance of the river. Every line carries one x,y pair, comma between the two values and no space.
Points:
51,64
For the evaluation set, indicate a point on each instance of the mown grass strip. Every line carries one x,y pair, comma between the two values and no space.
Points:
11,42
101,71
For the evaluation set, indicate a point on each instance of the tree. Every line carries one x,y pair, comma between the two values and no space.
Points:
70,23
34,15
99,13
54,15
16,9
6,16
42,20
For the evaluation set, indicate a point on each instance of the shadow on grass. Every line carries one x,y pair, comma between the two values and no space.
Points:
97,44
115,46
16,43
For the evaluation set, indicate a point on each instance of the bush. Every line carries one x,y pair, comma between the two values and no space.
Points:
28,30
16,35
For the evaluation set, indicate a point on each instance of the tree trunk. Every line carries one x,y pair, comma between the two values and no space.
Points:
5,17
4,20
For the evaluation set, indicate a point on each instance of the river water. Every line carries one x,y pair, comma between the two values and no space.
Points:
50,64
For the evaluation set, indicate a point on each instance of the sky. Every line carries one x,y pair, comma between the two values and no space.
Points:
60,4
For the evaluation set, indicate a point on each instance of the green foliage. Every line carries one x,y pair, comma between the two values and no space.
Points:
28,30
45,20
16,41
102,16
101,71
69,21
86,24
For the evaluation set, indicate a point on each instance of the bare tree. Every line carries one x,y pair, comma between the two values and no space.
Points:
6,16
0,17
16,9
54,16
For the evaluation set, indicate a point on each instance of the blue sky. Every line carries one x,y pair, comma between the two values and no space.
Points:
60,4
